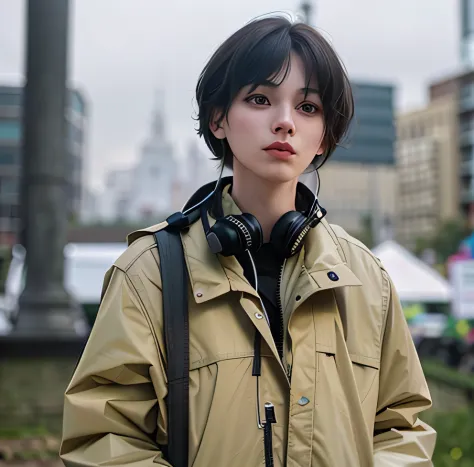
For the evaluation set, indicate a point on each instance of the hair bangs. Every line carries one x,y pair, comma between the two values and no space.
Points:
266,61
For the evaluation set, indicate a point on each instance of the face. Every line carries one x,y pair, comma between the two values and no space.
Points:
275,131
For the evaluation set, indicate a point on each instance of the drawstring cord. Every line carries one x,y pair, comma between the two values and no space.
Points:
270,417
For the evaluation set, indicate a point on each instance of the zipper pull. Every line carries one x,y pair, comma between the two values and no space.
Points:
270,413
267,433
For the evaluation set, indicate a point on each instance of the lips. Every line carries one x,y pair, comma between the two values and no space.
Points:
279,146
280,151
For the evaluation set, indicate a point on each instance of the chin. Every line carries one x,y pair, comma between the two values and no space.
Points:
277,173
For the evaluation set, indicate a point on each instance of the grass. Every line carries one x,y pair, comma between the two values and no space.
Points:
455,428
439,372
454,444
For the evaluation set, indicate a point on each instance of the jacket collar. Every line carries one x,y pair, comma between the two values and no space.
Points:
322,260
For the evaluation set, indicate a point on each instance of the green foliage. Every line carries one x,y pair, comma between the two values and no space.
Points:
454,444
437,371
446,240
18,446
455,430
23,432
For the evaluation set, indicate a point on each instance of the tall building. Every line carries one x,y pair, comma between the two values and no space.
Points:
358,183
355,194
115,201
427,169
372,134
201,167
11,98
461,88
153,176
467,33
143,192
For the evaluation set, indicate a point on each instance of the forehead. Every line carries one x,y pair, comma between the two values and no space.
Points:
295,73
293,76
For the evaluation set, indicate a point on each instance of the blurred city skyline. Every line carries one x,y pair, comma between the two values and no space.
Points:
122,52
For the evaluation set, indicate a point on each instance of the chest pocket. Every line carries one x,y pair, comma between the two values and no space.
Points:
362,349
219,330
365,373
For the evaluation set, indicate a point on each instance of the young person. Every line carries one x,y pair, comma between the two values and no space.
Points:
270,282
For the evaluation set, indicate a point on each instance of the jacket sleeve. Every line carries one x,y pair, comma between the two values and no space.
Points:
400,437
115,398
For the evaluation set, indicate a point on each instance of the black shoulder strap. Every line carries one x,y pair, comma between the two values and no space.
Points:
174,278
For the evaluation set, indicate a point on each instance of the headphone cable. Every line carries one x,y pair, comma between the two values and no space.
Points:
185,213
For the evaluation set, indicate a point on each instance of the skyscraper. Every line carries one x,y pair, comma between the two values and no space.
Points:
11,109
467,33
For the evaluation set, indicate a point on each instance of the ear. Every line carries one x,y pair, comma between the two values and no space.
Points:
216,127
321,149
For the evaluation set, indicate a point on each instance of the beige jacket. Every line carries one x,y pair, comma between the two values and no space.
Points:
356,384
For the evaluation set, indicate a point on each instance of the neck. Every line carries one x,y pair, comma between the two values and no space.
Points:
265,200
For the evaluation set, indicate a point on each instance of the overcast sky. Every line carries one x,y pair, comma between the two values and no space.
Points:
123,50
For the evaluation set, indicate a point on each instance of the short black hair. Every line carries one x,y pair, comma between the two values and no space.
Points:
259,52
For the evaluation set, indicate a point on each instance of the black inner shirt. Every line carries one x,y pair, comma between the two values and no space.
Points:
268,264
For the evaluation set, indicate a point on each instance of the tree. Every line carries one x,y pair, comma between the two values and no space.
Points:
446,240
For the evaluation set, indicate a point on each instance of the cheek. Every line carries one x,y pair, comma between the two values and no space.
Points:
241,121
313,135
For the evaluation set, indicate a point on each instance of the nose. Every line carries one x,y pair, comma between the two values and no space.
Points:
284,123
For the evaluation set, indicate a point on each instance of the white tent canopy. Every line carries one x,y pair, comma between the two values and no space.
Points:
414,280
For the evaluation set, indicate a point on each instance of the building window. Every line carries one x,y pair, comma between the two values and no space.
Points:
9,210
8,156
15,211
8,186
10,130
10,99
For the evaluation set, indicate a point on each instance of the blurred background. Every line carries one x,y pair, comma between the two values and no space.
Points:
97,139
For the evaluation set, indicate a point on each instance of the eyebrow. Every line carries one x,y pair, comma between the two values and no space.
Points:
309,90
271,84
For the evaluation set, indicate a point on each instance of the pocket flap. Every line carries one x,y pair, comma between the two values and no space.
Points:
365,361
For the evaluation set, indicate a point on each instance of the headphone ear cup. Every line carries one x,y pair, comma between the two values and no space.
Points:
223,238
286,232
232,235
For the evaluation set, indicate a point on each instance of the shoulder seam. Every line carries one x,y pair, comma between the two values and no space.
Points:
365,250
132,261
335,238
386,298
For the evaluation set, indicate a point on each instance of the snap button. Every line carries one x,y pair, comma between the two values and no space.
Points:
199,294
298,298
333,276
258,315
303,401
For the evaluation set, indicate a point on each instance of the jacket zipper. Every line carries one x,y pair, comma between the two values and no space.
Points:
281,320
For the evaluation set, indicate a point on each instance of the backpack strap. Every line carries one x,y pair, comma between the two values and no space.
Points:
174,278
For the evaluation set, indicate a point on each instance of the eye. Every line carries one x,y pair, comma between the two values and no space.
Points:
258,100
308,108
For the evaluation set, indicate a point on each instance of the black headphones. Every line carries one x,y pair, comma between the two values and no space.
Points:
234,234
